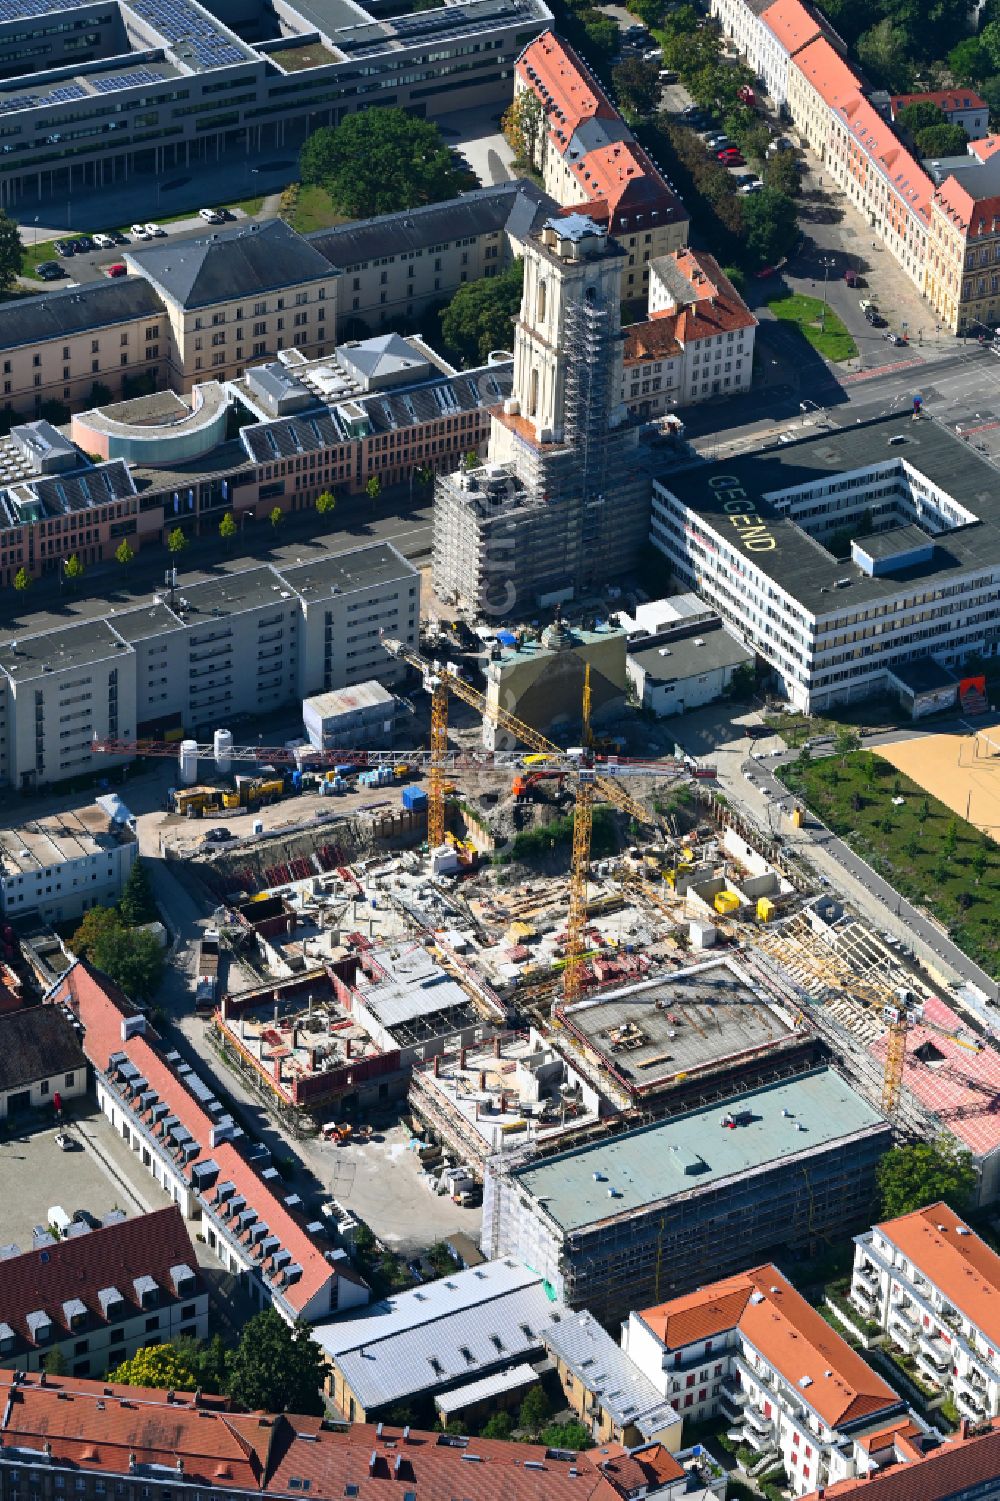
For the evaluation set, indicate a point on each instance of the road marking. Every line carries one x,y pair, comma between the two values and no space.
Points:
859,375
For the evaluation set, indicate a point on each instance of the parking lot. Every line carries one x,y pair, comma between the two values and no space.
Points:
98,1175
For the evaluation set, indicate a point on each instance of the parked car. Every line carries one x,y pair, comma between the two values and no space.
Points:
155,231
119,268
104,242
875,319
217,835
732,159
667,75
865,303
139,232
210,215
893,339
750,187
66,1143
84,1217
83,245
49,271
851,277
65,247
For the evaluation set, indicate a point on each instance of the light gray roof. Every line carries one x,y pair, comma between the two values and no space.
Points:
694,1152
241,262
385,354
462,1326
602,1366
693,650
509,1380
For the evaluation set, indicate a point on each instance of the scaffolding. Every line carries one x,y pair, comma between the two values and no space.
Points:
590,335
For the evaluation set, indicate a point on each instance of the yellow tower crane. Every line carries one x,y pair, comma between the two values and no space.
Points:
440,681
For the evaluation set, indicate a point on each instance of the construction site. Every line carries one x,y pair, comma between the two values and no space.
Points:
630,1050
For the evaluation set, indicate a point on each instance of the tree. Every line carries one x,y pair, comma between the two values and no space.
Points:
478,318
275,516
917,116
500,1425
571,1435
980,862
326,503
523,126
155,1365
124,553
380,161
536,1409
276,1368
138,904
601,36
847,741
228,527
176,541
54,1363
909,1177
11,252
769,224
93,926
942,140
132,957
969,62
73,569
885,51
781,172
373,489
22,580
923,810
637,85
470,460
207,1360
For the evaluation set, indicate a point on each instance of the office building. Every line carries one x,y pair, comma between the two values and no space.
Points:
770,540
199,1156
685,665
751,1349
933,1286
653,1210
97,94
244,642
98,1295
63,863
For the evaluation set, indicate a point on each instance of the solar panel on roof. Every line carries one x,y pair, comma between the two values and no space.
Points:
111,82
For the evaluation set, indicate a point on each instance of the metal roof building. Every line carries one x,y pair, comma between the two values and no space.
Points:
429,1339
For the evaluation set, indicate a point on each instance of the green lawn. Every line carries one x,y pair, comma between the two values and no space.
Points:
934,858
313,210
828,337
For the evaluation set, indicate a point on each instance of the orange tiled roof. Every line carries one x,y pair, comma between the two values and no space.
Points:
899,1431
656,339
985,147
945,99
789,1334
876,138
102,1009
961,1265
553,72
829,75
791,24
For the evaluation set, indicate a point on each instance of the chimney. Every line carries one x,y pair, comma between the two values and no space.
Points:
482,1078
372,1460
461,1057
437,1065
406,1434
347,1047
131,1462
497,1048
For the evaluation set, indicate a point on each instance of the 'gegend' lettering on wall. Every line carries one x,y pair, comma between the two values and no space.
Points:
743,515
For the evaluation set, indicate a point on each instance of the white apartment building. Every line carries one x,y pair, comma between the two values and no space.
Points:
98,1295
765,539
245,642
697,343
768,35
64,863
934,1286
752,1349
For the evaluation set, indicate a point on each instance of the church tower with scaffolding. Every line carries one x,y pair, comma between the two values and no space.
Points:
560,506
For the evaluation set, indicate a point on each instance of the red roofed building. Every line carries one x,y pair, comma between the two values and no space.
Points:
934,1286
752,1349
959,107
963,1467
82,1438
819,82
589,160
203,1160
99,1295
884,182
697,342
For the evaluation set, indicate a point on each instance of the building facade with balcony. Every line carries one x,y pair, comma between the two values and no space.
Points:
217,1177
751,1349
933,1285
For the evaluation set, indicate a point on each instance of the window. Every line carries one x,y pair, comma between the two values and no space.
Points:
69,1080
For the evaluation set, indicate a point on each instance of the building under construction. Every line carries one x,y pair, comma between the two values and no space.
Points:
561,505
654,1212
